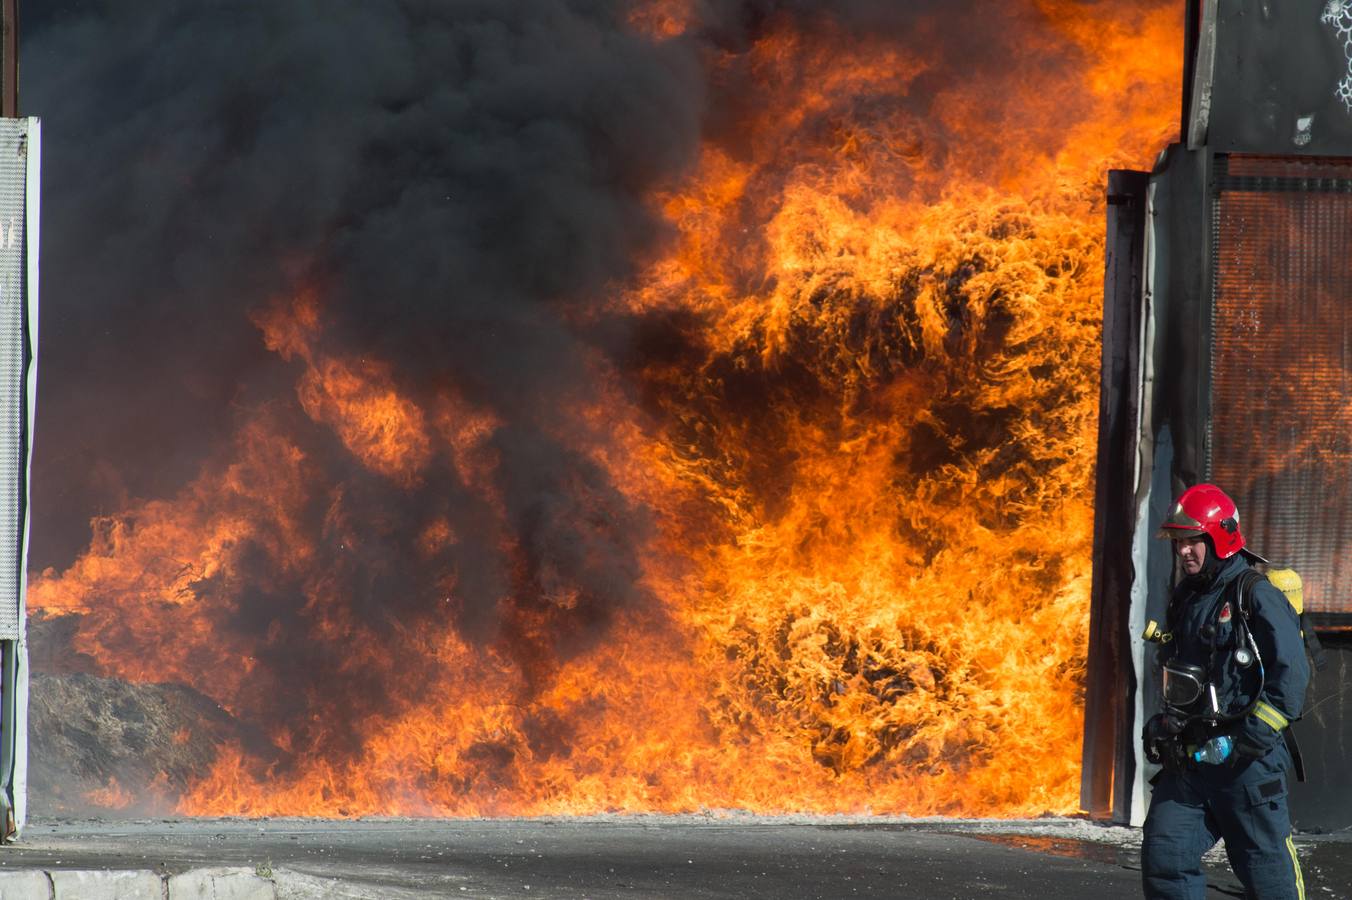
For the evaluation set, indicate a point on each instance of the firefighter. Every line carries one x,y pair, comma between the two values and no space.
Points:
1234,676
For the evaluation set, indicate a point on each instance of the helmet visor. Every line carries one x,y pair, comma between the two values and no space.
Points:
1169,532
1183,684
1180,525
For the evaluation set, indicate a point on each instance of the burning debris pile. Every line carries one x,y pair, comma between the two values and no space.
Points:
626,408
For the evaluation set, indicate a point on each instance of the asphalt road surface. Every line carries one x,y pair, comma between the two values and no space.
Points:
649,857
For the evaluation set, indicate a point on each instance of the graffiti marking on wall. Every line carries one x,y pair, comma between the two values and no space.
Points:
1338,13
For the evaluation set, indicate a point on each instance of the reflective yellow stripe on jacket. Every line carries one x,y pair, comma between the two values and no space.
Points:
1270,715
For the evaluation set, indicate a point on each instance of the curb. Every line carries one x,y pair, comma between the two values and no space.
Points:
104,884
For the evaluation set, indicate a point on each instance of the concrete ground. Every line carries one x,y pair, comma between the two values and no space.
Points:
714,856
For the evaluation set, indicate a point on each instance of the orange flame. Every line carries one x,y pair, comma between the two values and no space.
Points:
111,796
862,435
355,398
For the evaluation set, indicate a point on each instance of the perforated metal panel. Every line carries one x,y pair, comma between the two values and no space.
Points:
1280,436
15,358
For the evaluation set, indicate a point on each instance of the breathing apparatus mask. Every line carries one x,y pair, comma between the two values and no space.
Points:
1191,712
1184,684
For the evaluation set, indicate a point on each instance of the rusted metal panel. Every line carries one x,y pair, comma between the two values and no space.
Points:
1280,431
9,58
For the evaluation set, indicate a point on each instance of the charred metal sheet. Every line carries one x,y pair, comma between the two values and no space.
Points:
1202,70
1282,80
1180,288
1106,776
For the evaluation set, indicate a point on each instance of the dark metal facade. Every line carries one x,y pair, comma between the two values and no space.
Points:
1240,352
1270,76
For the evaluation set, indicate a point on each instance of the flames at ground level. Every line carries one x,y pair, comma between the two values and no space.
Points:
816,539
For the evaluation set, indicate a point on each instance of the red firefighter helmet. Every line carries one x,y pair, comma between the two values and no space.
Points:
1206,509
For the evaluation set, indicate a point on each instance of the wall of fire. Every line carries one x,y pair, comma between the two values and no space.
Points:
1228,358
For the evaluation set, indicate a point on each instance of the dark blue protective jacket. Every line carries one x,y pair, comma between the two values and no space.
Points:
1204,620
1244,799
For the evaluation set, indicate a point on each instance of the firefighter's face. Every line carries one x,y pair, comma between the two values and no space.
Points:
1191,553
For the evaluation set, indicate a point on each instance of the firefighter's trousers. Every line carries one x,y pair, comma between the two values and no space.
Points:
1243,803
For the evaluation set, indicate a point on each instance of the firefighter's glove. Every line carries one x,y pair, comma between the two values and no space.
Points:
1163,742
